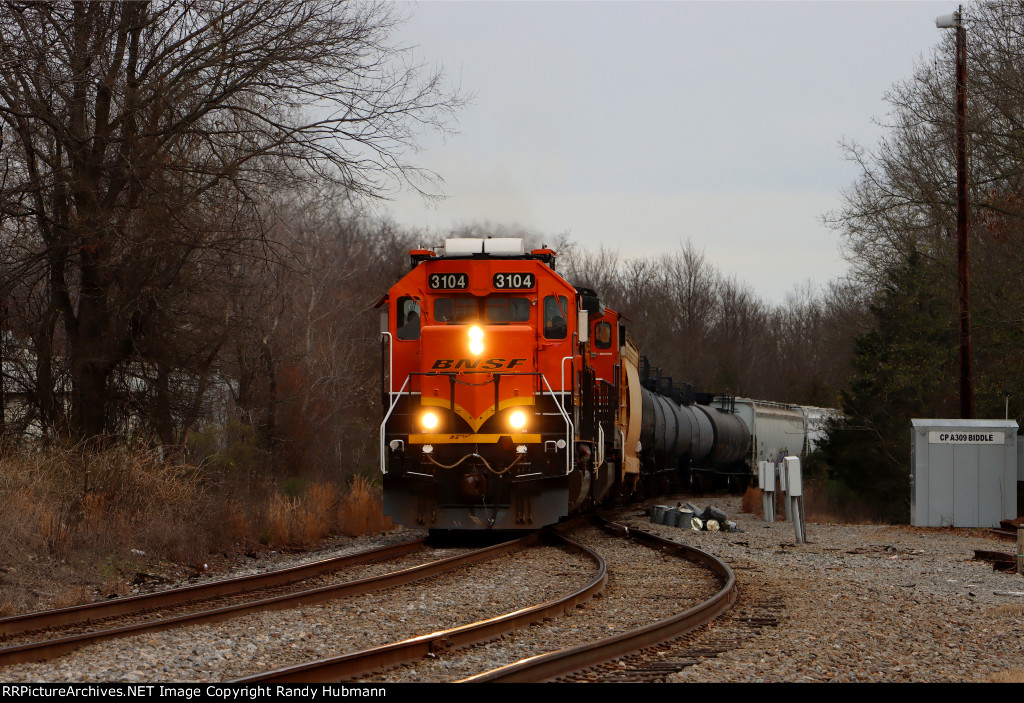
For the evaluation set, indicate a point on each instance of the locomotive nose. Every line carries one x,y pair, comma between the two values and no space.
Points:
478,348
477,387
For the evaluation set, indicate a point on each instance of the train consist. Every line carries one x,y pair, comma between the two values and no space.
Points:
513,399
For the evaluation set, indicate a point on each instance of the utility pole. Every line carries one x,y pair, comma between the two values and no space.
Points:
955,21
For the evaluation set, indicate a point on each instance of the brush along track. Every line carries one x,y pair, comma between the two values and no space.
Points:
561,663
430,645
70,628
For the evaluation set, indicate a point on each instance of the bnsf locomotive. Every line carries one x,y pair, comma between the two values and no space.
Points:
513,398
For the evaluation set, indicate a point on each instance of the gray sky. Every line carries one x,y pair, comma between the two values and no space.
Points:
638,125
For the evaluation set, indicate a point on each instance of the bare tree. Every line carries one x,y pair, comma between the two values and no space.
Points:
142,140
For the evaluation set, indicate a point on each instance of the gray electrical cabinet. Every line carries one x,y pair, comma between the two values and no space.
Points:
963,472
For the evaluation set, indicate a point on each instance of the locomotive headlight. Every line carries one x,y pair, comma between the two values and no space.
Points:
429,420
476,340
517,419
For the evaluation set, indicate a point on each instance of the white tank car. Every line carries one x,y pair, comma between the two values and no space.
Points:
777,429
817,419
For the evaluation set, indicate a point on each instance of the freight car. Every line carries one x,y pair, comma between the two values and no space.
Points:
512,399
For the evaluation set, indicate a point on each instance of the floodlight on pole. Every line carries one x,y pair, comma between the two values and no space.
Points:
955,21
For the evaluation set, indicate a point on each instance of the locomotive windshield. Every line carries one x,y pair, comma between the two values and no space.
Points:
502,308
456,310
496,309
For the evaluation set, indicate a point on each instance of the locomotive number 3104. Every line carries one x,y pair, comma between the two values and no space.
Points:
448,281
517,281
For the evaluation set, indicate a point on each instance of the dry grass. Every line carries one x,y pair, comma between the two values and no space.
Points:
9,605
752,501
363,512
300,521
98,517
824,505
69,511
821,504
1013,610
982,532
237,523
75,595
66,501
1009,676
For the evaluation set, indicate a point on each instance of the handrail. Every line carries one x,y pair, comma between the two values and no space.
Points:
391,361
570,430
383,468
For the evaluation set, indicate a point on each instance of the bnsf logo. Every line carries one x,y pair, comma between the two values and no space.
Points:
488,364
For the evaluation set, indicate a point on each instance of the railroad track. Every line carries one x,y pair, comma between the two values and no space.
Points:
651,641
742,623
43,635
437,646
434,656
356,664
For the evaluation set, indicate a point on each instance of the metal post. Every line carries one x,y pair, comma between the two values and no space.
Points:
766,477
794,498
780,466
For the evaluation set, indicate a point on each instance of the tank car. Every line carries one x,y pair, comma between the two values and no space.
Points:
778,429
512,398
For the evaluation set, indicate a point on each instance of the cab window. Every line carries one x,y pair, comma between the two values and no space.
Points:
408,318
503,308
556,312
603,335
463,309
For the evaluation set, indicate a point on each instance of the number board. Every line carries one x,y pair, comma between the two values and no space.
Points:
448,281
514,281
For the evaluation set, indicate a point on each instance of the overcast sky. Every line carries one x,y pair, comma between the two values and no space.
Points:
639,125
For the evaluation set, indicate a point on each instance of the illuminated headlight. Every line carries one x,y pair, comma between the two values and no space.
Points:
476,340
429,420
521,449
517,419
428,448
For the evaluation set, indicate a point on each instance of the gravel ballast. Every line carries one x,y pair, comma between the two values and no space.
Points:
859,603
864,603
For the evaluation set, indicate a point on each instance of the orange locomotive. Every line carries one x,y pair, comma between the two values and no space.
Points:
496,416
513,398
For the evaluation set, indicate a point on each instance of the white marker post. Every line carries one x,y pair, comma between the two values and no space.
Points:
766,479
780,468
795,497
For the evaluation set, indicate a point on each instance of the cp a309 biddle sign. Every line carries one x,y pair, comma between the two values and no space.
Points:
961,437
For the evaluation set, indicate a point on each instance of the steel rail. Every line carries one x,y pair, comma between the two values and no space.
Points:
549,666
363,662
90,612
47,649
